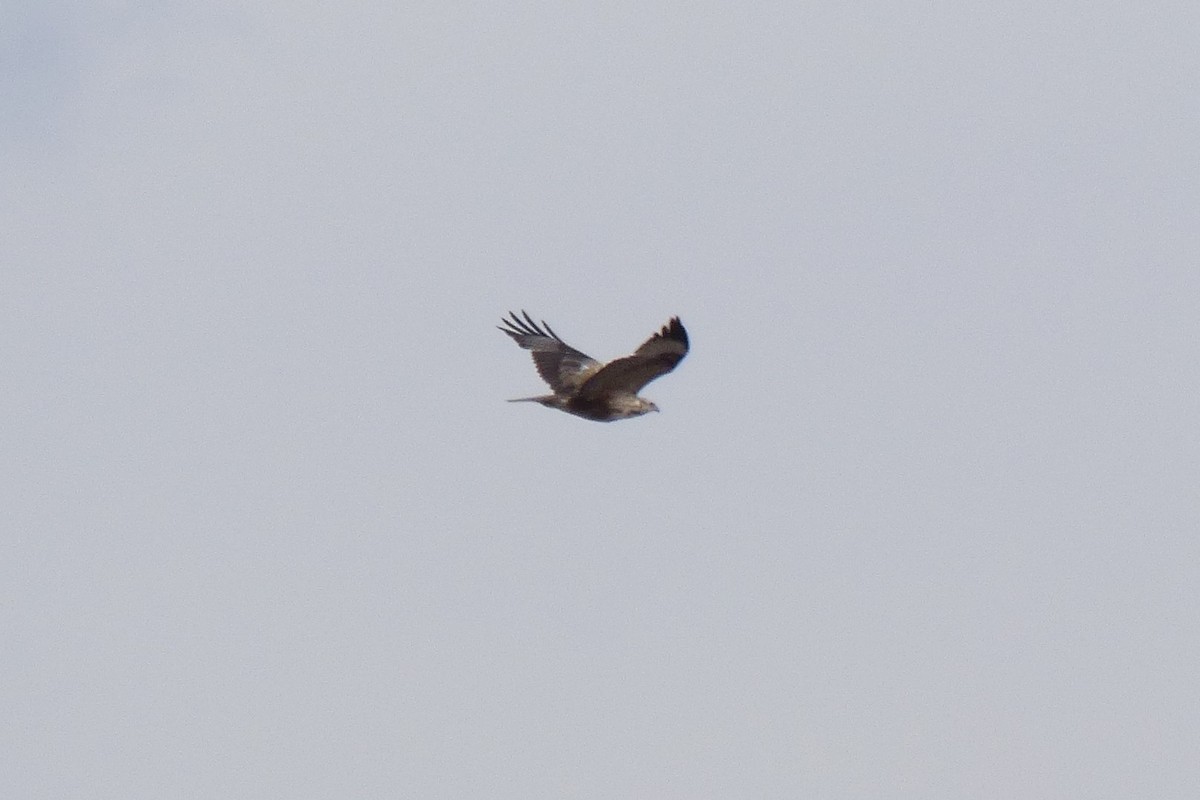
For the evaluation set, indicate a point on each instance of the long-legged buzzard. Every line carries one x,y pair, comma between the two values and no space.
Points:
585,387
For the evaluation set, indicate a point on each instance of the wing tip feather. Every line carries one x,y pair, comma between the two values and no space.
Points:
674,330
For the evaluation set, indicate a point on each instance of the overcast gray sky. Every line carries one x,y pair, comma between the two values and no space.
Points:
919,518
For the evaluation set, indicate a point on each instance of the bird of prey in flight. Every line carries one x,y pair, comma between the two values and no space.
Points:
585,387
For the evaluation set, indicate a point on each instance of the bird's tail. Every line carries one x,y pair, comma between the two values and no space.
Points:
548,400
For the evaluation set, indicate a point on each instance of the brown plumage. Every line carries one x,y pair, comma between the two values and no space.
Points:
585,387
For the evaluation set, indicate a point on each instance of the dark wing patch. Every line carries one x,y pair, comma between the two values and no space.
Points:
559,364
660,354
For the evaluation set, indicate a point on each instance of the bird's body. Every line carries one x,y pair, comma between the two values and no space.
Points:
606,410
585,387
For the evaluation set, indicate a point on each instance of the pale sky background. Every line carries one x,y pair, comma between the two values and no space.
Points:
921,515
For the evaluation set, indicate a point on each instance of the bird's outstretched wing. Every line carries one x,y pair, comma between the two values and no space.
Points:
559,364
656,357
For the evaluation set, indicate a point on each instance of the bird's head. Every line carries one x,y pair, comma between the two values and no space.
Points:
643,406
630,406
